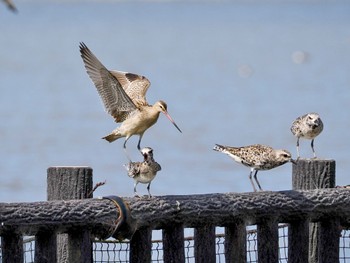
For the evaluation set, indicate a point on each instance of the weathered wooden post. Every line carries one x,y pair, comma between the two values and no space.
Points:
204,244
12,247
313,174
141,246
267,231
66,183
173,244
236,242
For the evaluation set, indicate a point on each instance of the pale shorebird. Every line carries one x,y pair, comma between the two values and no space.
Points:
308,126
123,95
143,172
257,157
10,5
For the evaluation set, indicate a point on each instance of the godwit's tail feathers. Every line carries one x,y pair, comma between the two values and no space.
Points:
112,137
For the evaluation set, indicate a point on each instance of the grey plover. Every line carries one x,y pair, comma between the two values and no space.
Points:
308,126
123,95
257,157
143,172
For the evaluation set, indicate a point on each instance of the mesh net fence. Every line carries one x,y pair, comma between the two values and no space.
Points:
107,251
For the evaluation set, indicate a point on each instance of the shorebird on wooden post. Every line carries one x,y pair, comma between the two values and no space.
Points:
143,172
123,95
308,126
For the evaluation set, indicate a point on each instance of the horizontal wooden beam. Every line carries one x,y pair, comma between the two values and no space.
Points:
100,216
97,215
225,209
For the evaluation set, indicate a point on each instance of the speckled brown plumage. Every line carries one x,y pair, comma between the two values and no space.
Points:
144,172
257,157
308,126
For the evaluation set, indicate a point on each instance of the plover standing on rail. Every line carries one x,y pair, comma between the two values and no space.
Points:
143,172
257,157
308,126
123,95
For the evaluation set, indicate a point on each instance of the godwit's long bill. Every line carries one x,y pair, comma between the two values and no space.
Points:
11,5
123,95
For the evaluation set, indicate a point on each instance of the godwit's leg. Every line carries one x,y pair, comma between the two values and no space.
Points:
250,178
124,146
138,144
256,179
312,147
298,148
148,189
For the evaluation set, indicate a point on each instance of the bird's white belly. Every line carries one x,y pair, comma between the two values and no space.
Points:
137,124
145,178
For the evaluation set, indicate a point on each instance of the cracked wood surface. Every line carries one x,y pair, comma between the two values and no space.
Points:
190,210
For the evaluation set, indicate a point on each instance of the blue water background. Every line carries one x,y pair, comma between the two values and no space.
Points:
225,69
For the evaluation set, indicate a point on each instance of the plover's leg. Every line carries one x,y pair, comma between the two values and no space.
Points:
312,147
135,192
256,179
148,189
298,148
250,178
124,146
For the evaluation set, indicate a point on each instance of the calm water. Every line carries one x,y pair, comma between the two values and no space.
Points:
226,70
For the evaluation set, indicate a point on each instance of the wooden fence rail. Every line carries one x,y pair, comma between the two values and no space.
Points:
85,219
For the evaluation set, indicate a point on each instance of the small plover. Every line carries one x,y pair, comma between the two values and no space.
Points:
143,172
308,126
124,98
257,157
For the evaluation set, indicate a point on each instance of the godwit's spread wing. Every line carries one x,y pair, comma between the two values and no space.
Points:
134,85
117,103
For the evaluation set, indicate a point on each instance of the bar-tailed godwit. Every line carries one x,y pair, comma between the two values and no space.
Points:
308,126
257,157
123,95
143,172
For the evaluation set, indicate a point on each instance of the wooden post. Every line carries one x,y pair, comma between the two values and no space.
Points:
236,243
45,247
141,246
79,246
204,244
329,234
313,174
267,231
173,244
12,247
66,183
298,242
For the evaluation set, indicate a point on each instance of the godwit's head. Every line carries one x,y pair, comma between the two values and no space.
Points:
162,107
